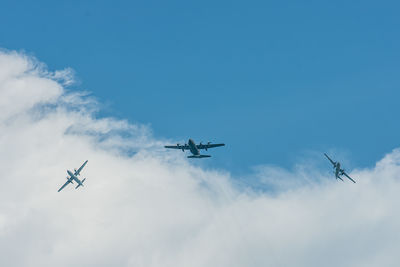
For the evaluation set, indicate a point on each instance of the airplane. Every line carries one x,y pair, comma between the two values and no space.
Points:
338,170
195,149
74,177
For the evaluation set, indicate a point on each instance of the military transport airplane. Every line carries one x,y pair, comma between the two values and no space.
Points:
74,177
195,149
338,170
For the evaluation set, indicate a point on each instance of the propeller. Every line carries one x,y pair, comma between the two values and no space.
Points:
208,143
181,147
205,146
68,179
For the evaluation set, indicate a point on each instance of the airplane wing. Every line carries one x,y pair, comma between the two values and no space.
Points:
334,163
66,183
186,147
207,146
345,174
79,170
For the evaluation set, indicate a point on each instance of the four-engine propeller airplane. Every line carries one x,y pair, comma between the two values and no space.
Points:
195,149
338,170
74,177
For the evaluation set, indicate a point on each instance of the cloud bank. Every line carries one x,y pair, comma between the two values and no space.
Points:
156,209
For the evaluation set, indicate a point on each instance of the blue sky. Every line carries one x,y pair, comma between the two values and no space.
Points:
279,83
272,80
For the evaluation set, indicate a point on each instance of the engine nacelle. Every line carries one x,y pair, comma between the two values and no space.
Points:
208,143
181,147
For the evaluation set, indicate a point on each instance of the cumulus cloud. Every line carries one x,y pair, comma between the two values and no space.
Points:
151,209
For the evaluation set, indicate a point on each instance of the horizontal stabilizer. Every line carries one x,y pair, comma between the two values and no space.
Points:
199,156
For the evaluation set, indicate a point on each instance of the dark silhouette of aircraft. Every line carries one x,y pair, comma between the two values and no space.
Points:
195,149
338,171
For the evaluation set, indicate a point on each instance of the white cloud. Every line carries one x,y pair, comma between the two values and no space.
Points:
152,209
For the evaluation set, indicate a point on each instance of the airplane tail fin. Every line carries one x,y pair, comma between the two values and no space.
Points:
81,184
199,156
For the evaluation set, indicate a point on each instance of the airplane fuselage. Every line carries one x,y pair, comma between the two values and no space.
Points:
337,170
193,148
73,177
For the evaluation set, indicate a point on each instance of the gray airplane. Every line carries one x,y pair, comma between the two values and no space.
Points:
74,177
338,170
195,149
